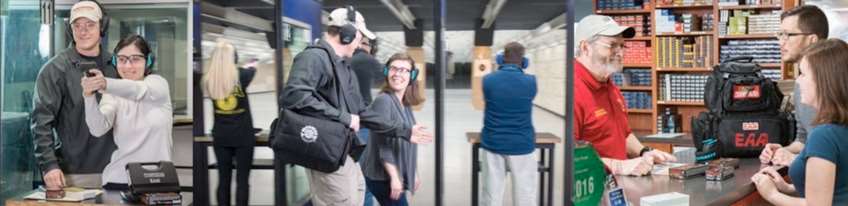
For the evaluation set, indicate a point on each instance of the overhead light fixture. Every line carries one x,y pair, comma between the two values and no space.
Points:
491,12
401,11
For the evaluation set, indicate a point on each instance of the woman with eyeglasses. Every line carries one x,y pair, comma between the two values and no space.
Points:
233,133
389,163
136,108
820,171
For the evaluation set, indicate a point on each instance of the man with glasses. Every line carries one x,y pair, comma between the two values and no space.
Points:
600,114
799,27
67,154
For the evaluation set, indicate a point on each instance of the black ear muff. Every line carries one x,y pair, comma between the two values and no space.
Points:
104,23
348,31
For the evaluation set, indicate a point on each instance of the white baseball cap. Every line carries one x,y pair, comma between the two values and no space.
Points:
87,9
593,25
339,18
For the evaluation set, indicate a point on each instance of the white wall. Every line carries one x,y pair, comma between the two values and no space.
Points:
547,61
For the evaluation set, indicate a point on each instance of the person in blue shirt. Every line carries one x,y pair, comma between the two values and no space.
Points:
823,163
508,136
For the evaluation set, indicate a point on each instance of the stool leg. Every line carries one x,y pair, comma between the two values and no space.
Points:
551,155
541,163
475,172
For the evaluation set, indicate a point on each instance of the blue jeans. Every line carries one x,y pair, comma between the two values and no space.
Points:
382,191
364,135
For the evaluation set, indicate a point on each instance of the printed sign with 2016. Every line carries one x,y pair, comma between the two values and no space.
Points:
589,175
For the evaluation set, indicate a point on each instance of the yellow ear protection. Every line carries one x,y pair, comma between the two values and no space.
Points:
524,61
413,75
347,33
104,22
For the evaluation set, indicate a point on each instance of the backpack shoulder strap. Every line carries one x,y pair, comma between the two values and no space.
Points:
335,77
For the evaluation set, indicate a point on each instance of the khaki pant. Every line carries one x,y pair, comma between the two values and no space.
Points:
344,187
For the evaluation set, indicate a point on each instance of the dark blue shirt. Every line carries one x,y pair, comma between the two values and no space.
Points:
508,121
828,142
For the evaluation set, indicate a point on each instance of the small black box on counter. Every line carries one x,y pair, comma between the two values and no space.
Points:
726,162
719,172
686,171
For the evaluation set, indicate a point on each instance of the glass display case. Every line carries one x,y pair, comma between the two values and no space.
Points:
20,61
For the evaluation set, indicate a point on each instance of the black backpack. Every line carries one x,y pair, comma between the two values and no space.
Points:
739,86
743,113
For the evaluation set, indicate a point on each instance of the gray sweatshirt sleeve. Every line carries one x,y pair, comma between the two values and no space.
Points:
381,118
308,72
46,105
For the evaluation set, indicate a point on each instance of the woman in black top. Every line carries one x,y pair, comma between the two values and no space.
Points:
232,132
389,163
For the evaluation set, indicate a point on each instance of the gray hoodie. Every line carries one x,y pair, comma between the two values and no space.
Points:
60,134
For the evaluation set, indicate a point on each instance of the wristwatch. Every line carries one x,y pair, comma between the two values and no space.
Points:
645,149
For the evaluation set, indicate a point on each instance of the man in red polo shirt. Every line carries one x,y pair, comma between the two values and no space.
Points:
600,115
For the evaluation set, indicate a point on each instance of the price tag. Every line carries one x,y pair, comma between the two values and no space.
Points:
616,197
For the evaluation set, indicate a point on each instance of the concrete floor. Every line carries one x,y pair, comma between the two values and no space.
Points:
460,118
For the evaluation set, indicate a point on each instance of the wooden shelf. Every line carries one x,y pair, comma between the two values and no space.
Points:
700,6
750,7
624,11
642,121
749,36
640,111
680,103
697,33
639,38
635,88
675,69
771,65
640,65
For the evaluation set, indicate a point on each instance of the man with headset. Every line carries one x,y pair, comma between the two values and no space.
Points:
508,138
310,89
67,154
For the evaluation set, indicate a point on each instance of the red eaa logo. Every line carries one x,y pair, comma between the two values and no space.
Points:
751,140
746,92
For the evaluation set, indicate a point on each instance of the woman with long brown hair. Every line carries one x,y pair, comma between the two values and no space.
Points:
820,172
389,163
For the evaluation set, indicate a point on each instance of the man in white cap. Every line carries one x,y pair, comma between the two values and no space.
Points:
599,109
310,90
74,157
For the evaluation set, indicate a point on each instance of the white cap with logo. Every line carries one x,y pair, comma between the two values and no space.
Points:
593,25
87,9
339,18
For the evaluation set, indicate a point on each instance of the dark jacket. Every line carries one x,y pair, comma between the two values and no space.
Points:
233,125
508,118
367,69
58,106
